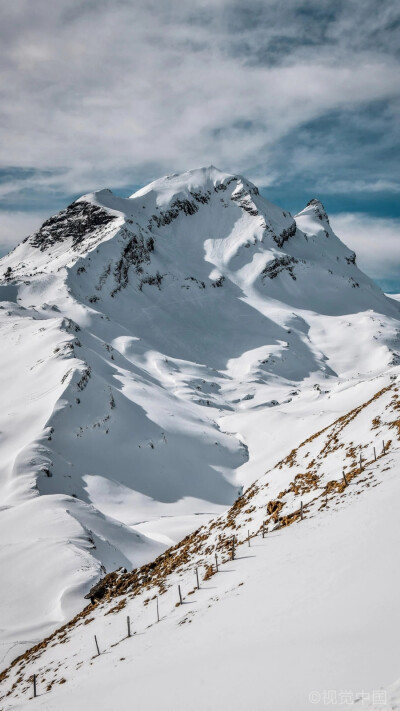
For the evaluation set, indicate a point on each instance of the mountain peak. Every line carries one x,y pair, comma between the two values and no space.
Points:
315,206
202,227
206,177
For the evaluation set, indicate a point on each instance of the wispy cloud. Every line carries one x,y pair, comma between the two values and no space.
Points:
14,226
359,186
103,90
301,96
376,242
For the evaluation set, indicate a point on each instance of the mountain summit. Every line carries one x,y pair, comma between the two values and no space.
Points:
159,351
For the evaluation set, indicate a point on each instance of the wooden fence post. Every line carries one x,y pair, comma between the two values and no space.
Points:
34,686
197,578
263,532
129,626
248,537
383,446
216,563
301,510
233,548
158,614
97,645
374,454
345,478
180,594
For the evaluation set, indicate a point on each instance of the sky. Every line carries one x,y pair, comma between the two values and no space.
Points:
302,97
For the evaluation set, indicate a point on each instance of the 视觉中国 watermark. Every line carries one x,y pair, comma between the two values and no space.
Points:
332,697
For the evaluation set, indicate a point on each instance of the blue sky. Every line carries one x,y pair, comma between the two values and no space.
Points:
302,97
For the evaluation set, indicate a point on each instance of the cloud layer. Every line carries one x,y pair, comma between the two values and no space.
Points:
101,93
376,242
15,225
98,91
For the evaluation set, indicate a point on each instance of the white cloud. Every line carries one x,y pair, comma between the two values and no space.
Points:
14,226
106,94
100,90
375,240
346,187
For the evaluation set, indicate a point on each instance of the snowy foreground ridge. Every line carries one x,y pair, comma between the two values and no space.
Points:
159,354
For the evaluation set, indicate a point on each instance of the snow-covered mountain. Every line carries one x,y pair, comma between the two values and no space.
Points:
159,353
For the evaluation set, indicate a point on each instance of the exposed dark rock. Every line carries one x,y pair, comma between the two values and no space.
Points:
100,589
152,279
319,209
199,283
8,274
354,283
103,277
218,282
85,377
243,198
135,253
69,325
178,206
201,197
279,265
285,234
75,222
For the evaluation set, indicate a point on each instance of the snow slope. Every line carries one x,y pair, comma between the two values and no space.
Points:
159,352
306,610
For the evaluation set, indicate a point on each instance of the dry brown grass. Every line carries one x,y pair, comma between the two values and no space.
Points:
210,571
120,605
